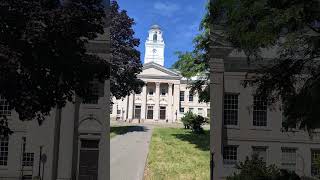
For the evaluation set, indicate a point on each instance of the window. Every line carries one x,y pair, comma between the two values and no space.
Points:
4,151
4,107
155,37
118,111
190,97
259,111
230,154
162,112
27,177
191,109
28,158
315,155
150,91
94,94
208,112
288,159
111,107
181,95
89,144
231,109
261,152
150,112
163,91
137,112
200,111
181,109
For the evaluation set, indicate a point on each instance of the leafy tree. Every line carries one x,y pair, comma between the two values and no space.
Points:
293,29
256,169
125,61
43,55
196,63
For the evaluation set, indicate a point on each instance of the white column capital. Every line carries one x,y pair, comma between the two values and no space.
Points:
157,84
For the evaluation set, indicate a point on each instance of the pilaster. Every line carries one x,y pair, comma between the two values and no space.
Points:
216,115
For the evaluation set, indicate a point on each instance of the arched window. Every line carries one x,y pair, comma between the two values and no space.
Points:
155,37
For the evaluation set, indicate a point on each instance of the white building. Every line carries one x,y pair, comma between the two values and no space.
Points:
242,124
165,98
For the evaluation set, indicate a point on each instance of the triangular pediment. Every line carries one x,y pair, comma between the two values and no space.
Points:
155,70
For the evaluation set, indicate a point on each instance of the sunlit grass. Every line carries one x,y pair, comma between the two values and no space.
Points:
176,153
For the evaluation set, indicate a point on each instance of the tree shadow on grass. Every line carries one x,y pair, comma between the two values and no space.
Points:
120,130
202,141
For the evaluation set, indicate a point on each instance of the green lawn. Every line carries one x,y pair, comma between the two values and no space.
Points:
176,154
119,130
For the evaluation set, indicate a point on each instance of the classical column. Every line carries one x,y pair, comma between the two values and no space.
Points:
170,114
176,101
144,102
130,109
157,103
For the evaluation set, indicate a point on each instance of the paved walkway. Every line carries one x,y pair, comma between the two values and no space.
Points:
128,153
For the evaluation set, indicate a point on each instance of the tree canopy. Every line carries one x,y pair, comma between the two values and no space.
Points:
292,28
125,60
43,56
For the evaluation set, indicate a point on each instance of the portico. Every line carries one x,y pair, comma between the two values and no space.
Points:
155,102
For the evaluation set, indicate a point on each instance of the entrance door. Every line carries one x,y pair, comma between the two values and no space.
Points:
89,157
150,112
137,112
162,112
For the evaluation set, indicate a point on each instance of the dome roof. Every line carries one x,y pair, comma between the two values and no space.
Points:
155,26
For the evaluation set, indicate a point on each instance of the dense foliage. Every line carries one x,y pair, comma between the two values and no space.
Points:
44,59
289,28
292,28
256,169
125,61
193,122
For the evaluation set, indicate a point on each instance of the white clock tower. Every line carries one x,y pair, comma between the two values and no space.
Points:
154,45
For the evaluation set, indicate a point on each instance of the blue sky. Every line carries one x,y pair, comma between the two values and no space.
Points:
179,21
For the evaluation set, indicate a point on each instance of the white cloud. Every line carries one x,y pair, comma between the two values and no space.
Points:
166,8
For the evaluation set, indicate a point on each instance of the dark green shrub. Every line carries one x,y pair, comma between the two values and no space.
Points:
196,124
256,169
193,122
187,118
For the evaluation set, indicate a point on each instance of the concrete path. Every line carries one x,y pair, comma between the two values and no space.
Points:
128,153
